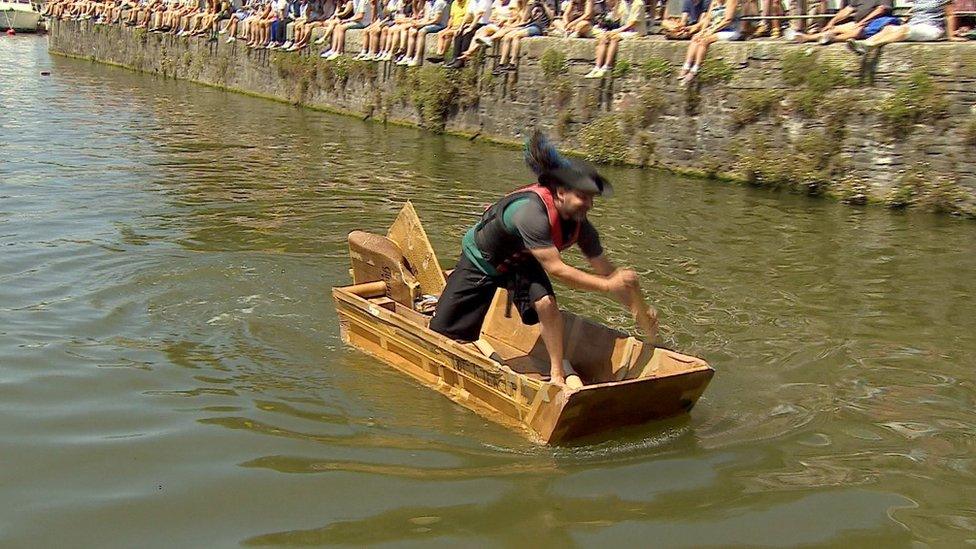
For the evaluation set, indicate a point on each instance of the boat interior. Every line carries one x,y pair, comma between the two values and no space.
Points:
597,353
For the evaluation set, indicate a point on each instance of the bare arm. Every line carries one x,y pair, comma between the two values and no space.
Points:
601,265
844,13
553,264
730,6
876,12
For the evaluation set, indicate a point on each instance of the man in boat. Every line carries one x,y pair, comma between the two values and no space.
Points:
517,245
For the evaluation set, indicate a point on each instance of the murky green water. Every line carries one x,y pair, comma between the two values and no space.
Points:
171,372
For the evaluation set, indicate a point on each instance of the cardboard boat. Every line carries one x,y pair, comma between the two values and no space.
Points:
504,376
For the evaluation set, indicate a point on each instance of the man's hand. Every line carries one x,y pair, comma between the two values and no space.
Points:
621,281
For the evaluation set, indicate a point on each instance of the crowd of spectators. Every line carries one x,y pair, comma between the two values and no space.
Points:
396,30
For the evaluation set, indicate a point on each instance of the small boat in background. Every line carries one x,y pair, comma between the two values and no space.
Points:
19,16
504,375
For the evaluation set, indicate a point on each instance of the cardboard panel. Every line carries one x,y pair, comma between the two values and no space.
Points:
409,235
376,258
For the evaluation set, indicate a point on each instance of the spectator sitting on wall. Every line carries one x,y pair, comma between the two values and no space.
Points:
864,19
686,25
459,12
930,20
160,16
261,27
238,15
138,16
370,46
211,24
286,12
300,13
504,18
396,36
379,41
436,14
537,19
769,27
195,21
249,25
182,16
314,17
573,11
362,16
478,16
635,25
318,16
721,22
607,15
338,17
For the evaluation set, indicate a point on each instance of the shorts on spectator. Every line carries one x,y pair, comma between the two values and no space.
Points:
923,32
356,25
533,30
875,25
430,29
728,34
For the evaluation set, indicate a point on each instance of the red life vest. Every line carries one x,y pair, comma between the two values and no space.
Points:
555,226
491,223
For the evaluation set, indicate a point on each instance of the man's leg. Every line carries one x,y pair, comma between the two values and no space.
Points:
463,304
533,296
551,322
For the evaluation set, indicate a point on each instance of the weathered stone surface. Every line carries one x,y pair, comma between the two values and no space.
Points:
744,100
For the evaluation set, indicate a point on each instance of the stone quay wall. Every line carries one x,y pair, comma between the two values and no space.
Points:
897,128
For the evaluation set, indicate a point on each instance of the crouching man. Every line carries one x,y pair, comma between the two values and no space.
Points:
517,245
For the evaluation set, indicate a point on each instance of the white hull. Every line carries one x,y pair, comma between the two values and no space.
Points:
20,17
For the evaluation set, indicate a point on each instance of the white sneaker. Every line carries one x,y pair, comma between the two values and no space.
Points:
413,63
325,54
361,56
789,34
332,56
403,62
319,41
230,39
594,72
222,31
286,45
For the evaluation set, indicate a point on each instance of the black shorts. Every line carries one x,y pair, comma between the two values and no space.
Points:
464,302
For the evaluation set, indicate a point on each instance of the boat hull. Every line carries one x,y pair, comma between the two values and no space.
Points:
18,18
544,412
